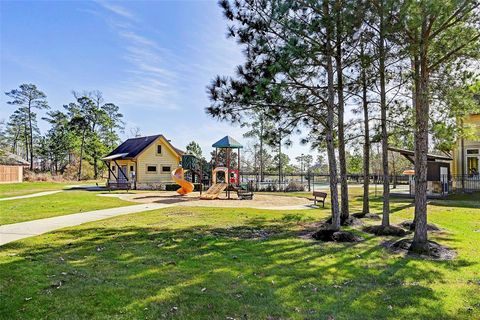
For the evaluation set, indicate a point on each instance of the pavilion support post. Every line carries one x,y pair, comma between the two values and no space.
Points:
123,173
110,171
227,178
135,176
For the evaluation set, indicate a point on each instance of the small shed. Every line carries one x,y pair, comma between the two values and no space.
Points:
438,172
11,167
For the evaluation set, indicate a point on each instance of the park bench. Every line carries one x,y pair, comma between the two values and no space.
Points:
118,186
318,197
245,195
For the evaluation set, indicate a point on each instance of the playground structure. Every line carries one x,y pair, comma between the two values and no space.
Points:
229,179
196,170
185,186
220,177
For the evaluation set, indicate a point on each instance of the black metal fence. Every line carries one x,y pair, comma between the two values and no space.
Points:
307,181
465,183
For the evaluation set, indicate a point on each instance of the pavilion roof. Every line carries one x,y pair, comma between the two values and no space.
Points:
227,142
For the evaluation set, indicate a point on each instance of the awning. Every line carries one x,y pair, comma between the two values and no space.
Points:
410,155
115,156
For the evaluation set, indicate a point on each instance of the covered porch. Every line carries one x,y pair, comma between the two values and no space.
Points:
121,172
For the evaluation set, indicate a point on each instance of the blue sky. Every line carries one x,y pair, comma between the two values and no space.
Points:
154,59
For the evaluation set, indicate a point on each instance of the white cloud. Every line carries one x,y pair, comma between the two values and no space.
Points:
117,10
149,80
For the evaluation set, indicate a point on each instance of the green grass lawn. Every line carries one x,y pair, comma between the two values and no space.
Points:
8,190
58,204
206,263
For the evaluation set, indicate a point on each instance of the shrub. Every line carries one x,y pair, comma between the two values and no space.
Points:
295,186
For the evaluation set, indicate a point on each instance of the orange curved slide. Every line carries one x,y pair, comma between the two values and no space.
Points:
185,186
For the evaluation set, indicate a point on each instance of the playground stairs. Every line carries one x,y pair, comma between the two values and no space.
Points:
214,191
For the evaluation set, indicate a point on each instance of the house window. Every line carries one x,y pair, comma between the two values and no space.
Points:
159,149
151,169
113,168
131,168
166,169
473,162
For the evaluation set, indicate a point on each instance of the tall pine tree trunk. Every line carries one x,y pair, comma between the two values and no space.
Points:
366,145
420,238
383,119
330,123
261,149
31,133
415,95
95,155
341,110
82,146
95,165
27,149
280,161
15,141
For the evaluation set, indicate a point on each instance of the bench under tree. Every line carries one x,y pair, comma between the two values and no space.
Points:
318,196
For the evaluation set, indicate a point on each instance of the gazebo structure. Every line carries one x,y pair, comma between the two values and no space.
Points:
231,175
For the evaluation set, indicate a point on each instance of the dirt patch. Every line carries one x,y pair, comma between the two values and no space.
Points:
259,201
385,231
408,224
435,251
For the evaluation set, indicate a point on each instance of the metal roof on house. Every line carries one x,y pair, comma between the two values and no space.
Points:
8,158
227,142
410,154
131,148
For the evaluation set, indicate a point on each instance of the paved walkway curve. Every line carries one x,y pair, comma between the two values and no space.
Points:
21,230
33,195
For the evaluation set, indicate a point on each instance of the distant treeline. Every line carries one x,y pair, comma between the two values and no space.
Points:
79,133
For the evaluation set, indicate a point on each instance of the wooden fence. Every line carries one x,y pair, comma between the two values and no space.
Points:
11,174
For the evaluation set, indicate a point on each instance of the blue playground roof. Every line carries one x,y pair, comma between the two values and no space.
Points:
227,142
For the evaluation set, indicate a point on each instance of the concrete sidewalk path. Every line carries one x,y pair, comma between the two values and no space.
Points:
33,195
21,230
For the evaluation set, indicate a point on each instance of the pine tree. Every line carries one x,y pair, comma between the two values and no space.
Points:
28,98
260,126
437,33
285,73
194,148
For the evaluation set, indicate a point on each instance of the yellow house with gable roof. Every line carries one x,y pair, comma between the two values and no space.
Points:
142,163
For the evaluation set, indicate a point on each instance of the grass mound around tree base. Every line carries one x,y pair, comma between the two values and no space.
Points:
350,221
361,215
385,231
408,224
434,250
326,234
